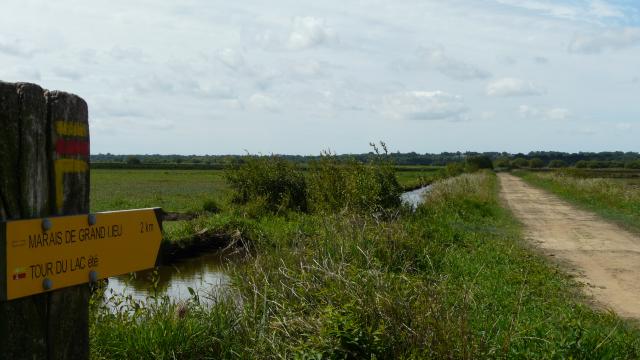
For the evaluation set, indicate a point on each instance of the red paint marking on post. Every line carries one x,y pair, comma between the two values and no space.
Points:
72,147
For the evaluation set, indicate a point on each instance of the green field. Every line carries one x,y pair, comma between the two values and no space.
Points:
186,190
172,190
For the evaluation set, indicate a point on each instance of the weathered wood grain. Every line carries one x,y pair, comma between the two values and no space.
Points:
23,321
9,148
52,325
68,327
33,165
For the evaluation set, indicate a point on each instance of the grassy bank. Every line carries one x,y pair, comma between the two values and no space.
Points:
452,280
616,199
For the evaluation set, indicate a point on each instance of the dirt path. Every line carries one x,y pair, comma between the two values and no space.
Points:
601,254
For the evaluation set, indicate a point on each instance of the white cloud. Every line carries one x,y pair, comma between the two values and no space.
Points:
487,115
453,68
586,131
608,40
309,68
231,58
233,104
624,126
512,87
526,111
21,73
15,48
554,114
558,114
602,9
261,101
541,60
552,8
591,11
424,105
68,73
308,31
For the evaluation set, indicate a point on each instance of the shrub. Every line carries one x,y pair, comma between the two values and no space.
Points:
132,160
278,183
475,163
502,163
582,164
632,164
520,163
335,185
557,164
536,163
454,169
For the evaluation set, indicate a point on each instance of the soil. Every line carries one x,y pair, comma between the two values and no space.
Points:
600,254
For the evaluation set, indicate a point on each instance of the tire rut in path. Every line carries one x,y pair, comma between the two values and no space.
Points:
601,254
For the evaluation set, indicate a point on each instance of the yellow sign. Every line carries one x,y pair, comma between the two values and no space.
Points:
52,253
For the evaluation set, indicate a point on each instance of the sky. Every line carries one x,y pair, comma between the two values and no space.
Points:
299,77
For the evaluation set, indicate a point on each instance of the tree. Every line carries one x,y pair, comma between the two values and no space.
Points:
502,162
132,160
632,164
478,162
557,164
536,163
520,163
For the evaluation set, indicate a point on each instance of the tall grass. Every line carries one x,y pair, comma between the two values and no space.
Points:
451,280
268,181
329,185
335,185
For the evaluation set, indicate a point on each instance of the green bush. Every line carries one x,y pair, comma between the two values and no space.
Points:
278,183
632,164
536,163
582,164
475,163
502,163
273,184
334,185
520,163
132,160
454,169
557,164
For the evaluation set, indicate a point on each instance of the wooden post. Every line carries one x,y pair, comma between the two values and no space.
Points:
44,170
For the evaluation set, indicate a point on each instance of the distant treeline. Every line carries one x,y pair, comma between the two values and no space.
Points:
617,159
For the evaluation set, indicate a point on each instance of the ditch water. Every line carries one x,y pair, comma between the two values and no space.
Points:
204,274
415,197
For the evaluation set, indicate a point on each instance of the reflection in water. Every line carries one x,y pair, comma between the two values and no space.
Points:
415,197
204,274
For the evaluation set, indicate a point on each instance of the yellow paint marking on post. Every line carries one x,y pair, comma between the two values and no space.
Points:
64,166
46,258
68,128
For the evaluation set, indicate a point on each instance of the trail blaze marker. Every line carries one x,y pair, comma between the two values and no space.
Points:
52,253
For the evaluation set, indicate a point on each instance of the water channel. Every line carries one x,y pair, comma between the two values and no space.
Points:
204,274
